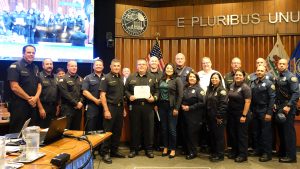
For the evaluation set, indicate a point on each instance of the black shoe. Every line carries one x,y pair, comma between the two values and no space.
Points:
132,154
240,159
117,154
149,154
254,153
217,158
106,158
172,156
231,156
265,158
164,154
190,156
287,160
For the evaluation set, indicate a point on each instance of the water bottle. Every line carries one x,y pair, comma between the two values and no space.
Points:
31,136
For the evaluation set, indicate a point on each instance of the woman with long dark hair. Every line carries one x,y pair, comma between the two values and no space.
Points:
216,106
170,96
193,112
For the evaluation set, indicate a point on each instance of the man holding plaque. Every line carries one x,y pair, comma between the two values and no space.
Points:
141,91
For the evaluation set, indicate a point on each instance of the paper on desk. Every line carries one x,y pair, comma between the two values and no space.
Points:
12,148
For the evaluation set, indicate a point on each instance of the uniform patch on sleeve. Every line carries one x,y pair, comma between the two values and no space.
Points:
223,92
273,87
13,66
202,92
294,79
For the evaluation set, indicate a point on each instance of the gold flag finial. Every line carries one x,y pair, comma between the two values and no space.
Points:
157,35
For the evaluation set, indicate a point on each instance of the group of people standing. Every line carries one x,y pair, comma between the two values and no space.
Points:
180,102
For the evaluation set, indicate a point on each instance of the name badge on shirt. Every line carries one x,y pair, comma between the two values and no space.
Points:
193,91
239,89
264,84
284,79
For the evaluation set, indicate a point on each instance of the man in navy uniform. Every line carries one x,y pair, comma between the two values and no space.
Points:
287,94
90,88
263,98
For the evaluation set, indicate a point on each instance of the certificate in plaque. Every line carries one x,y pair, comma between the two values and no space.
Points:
142,92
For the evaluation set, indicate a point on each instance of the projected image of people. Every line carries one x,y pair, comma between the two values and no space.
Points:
63,29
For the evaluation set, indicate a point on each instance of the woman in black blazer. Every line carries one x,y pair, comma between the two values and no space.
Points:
170,96
193,112
216,107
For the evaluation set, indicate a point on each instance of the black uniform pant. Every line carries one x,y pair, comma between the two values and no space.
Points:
191,127
262,134
20,111
239,134
94,117
113,125
180,131
168,125
141,118
216,132
73,115
287,137
50,109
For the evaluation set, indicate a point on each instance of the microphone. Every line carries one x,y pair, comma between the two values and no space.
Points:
84,129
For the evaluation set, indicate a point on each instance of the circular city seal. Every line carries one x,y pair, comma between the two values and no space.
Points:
134,22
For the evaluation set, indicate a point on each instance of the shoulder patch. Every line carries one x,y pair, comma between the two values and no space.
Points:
223,92
294,79
273,87
13,66
103,78
202,92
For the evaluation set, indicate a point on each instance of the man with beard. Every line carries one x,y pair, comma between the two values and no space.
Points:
49,98
71,97
90,88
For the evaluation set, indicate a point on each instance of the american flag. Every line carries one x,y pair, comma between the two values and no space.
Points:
156,51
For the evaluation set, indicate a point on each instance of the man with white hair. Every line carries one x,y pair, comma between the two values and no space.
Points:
205,73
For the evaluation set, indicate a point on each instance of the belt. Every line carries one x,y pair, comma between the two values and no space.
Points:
49,103
140,103
116,104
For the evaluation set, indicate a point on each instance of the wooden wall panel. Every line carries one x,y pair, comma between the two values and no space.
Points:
220,49
165,18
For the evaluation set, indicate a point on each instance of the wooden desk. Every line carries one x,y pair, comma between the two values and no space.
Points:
71,146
